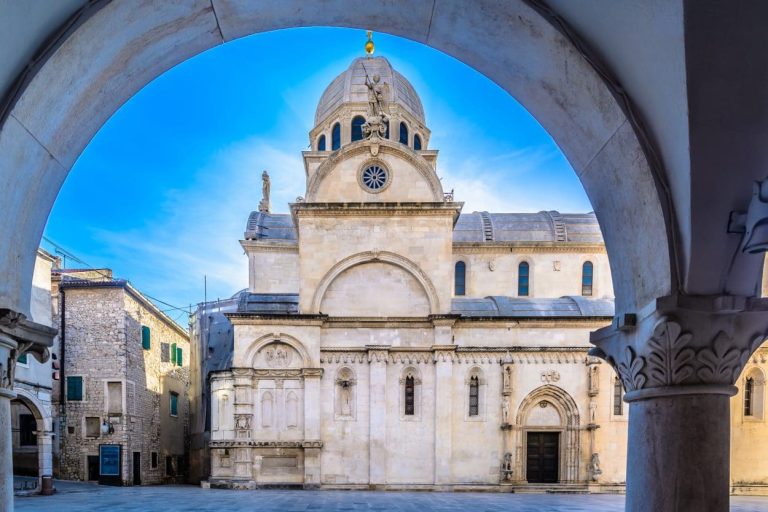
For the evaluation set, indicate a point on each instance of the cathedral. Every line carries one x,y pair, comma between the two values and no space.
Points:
390,340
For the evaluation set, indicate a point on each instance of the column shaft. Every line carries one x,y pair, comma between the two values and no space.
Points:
6,454
678,456
377,454
443,422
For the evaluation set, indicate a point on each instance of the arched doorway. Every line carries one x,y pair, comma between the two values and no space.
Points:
547,437
31,426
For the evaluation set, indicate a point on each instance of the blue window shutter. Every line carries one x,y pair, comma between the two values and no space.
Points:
74,388
146,337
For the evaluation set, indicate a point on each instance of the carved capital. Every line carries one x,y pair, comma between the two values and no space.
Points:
684,345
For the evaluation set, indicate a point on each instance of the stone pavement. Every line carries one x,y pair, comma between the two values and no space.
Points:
82,497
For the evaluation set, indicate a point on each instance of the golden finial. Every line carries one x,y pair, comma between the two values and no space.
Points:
369,44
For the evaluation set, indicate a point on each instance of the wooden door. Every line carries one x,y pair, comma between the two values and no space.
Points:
543,457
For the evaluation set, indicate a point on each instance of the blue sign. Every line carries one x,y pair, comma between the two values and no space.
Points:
109,459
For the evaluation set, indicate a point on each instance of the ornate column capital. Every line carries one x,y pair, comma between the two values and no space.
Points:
681,344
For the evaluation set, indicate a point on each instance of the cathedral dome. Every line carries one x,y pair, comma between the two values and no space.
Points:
350,87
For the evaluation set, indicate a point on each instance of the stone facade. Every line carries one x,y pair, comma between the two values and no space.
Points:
123,352
388,340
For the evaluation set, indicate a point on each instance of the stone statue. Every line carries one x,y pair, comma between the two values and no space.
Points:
375,96
592,411
505,411
594,379
265,185
507,378
346,399
594,467
506,466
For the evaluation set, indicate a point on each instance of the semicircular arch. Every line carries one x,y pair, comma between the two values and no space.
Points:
255,347
376,256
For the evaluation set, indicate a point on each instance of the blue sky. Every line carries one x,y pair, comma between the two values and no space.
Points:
162,193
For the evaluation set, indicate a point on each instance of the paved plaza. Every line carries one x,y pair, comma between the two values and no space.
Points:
82,497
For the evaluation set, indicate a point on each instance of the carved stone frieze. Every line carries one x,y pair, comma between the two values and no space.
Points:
378,356
240,443
287,372
343,357
685,342
548,376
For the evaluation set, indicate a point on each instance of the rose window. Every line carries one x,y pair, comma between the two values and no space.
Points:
374,177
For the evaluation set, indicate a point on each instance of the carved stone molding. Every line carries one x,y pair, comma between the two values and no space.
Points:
232,443
685,345
378,356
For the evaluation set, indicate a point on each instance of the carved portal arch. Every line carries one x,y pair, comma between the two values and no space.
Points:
254,355
568,426
376,256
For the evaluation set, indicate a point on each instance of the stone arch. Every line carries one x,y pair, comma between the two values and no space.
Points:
36,408
536,59
569,429
376,256
250,354
385,147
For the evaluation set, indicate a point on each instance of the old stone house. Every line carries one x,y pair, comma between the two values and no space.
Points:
125,378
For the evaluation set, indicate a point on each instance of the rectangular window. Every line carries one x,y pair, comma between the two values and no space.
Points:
146,338
618,405
173,353
174,398
115,397
74,388
92,426
178,356
27,430
154,460
22,359
165,352
474,396
409,396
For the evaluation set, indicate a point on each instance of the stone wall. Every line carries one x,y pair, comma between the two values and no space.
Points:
104,345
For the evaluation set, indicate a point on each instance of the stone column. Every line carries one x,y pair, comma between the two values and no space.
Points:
7,365
44,454
443,413
377,404
243,413
678,361
312,443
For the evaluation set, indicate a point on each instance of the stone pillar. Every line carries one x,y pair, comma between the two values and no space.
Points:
377,404
678,361
7,365
44,454
242,415
510,456
312,443
443,414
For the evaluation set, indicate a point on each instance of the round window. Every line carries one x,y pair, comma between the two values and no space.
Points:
374,177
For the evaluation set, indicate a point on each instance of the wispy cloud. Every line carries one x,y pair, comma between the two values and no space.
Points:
196,229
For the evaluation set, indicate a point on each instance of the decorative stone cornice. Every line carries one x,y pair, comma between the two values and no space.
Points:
458,354
344,357
684,345
526,247
240,443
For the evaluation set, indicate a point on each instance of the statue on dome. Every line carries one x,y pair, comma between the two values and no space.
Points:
376,123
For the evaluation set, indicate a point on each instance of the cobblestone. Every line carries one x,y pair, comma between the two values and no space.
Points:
87,497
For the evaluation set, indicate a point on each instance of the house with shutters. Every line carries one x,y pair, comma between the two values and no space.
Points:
123,381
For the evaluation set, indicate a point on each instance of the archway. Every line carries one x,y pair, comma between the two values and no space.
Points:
548,419
32,440
47,128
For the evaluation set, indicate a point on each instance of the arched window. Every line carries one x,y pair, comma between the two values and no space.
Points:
410,396
336,137
357,128
403,133
460,278
523,279
386,126
417,142
321,143
754,389
749,390
618,391
586,278
474,396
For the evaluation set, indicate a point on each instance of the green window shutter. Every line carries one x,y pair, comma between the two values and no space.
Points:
146,337
173,353
22,359
74,388
174,404
179,356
